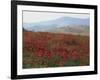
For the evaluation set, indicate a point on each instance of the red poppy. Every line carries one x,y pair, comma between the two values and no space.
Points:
74,55
49,55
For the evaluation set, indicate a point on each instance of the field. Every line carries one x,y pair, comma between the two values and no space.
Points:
44,49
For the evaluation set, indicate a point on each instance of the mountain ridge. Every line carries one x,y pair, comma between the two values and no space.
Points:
56,25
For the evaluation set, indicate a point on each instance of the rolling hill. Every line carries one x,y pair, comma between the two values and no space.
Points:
60,25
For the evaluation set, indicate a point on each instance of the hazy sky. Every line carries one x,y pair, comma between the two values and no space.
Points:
32,17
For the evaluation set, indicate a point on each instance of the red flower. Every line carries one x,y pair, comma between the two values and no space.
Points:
49,55
74,55
64,54
40,53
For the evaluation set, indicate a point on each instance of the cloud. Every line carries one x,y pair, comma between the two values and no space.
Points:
32,17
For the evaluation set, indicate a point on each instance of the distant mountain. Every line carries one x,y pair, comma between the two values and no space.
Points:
58,24
79,30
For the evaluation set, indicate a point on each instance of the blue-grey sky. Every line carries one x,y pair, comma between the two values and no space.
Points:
32,17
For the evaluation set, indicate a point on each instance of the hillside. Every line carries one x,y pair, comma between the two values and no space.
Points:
79,30
60,23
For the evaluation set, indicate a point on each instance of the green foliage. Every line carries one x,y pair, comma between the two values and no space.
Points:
71,62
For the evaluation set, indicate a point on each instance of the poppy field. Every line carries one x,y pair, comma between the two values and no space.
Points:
45,49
